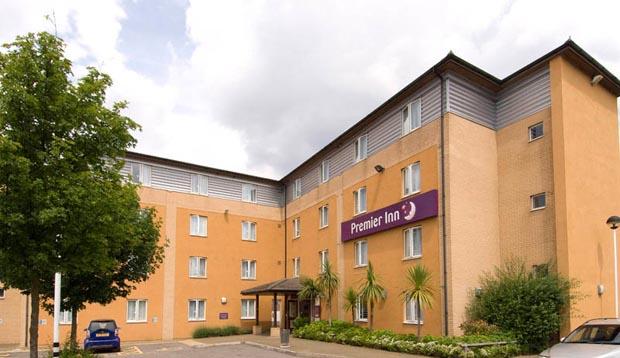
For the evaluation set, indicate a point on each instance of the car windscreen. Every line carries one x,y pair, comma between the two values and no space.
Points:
595,334
98,325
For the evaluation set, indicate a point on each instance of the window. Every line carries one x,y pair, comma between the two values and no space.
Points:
1,292
412,116
323,216
413,242
197,225
248,269
141,173
199,184
65,317
361,148
296,266
536,131
248,309
196,310
297,228
248,193
323,259
248,231
411,179
297,189
361,253
136,311
197,266
324,171
361,311
359,201
411,312
539,201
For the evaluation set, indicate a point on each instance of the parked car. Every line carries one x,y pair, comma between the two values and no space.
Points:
597,338
102,334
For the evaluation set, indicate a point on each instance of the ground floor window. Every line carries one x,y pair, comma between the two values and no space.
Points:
248,309
65,317
136,310
411,312
361,311
196,310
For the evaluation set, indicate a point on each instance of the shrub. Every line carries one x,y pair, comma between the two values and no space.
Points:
479,327
300,321
203,332
74,353
528,304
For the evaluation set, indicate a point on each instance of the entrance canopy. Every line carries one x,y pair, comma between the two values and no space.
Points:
284,286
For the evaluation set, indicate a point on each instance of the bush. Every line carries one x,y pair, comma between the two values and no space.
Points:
346,333
74,353
479,327
300,321
203,332
528,304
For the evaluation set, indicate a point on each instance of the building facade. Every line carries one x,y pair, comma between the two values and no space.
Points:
459,172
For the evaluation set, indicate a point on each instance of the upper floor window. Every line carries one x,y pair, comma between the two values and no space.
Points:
248,193
197,225
411,179
413,242
197,266
297,188
361,310
536,131
412,116
296,266
196,310
324,171
200,184
538,201
65,317
248,269
323,259
411,312
359,201
248,308
361,253
136,310
323,216
248,231
141,173
296,228
361,148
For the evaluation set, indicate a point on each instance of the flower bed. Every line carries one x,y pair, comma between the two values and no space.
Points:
346,333
203,332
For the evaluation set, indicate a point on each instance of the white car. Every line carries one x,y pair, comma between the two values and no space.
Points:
597,338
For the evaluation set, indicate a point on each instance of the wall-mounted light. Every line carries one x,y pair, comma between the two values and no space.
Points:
600,289
478,292
379,168
596,79
226,212
224,300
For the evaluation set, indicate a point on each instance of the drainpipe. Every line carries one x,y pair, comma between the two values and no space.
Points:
285,236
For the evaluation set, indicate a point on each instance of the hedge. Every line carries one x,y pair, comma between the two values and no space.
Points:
203,332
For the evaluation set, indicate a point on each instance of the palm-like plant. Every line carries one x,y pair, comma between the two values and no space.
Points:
309,291
419,290
328,283
350,301
371,291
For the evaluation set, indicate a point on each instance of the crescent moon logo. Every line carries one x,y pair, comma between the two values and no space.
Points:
411,211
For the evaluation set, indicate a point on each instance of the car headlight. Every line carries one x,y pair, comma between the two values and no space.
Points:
544,355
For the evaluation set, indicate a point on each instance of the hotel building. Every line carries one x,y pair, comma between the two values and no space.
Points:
459,171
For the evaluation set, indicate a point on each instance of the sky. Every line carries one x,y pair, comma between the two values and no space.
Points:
259,86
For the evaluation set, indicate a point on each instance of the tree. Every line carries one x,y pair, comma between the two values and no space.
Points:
350,300
59,152
310,290
328,283
419,290
371,291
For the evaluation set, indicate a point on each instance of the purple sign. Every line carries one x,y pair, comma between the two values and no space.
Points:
407,211
223,315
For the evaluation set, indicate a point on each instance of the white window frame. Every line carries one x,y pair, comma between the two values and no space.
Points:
323,260
199,184
409,238
407,120
251,190
411,175
324,171
136,318
198,224
64,317
193,316
358,310
357,202
251,269
361,148
297,188
532,197
323,216
411,307
144,173
297,228
529,131
246,303
296,266
248,231
201,260
358,253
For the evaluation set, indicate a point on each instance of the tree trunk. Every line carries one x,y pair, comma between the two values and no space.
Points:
417,308
73,338
34,319
329,310
311,309
370,315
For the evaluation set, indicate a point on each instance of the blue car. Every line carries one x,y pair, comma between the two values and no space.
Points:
102,334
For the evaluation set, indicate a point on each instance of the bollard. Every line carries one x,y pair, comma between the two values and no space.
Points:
284,338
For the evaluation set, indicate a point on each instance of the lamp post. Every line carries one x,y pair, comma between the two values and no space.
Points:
613,222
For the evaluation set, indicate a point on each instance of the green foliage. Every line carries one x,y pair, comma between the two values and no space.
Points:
530,304
71,351
310,290
479,327
300,321
349,300
328,283
419,289
203,332
371,291
347,333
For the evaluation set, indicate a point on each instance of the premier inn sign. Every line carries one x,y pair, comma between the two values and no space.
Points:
405,212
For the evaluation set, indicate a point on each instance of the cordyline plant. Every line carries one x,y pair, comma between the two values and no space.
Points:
419,290
328,283
371,292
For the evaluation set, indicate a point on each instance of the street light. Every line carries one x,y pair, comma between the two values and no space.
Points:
613,222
